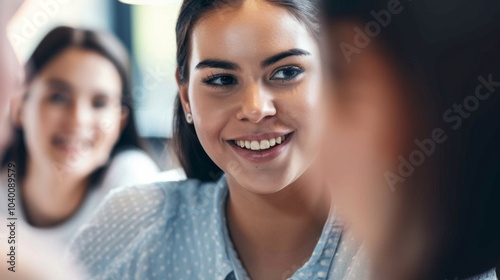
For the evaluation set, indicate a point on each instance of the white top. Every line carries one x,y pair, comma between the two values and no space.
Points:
171,175
130,167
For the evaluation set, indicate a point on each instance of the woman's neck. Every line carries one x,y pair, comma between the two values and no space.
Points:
275,234
51,196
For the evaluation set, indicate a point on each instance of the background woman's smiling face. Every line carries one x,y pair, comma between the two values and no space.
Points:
73,116
254,91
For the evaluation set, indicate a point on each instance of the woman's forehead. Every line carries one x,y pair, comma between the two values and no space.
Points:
249,30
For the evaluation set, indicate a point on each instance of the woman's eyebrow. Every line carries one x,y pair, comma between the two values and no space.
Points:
275,58
60,84
222,64
216,63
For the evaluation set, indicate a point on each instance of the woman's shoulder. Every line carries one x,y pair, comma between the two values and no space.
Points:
149,201
131,153
165,194
130,214
129,167
133,160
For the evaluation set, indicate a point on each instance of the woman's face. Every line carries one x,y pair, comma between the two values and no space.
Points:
254,91
72,116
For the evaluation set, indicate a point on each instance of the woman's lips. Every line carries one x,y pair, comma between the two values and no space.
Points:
71,145
261,149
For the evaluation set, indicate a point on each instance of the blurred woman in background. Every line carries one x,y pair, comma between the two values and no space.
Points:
414,133
76,138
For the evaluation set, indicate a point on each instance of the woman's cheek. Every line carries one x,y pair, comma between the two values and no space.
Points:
42,119
109,129
51,116
209,135
108,125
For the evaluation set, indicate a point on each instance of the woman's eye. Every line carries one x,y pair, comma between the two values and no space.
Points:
99,104
220,81
287,73
102,101
58,98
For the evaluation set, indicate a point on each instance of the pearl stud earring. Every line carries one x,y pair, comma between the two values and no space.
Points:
189,118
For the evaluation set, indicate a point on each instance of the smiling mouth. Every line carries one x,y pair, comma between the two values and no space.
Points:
262,145
71,145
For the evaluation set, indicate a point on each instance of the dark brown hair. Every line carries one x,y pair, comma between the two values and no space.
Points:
193,158
104,44
443,48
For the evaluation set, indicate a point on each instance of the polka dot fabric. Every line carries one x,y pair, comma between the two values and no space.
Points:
177,230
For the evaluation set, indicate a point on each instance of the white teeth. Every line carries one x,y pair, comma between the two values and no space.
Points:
259,145
264,144
272,142
254,145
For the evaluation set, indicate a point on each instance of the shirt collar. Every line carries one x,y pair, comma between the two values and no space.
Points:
318,265
223,264
228,265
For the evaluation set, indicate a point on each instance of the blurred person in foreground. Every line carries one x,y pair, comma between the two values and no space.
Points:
414,133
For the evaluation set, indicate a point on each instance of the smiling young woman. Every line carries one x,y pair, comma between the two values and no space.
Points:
247,131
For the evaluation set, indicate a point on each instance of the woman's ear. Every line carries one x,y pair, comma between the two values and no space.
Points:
183,93
125,114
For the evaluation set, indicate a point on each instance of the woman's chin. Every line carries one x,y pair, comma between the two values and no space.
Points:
262,185
66,166
265,191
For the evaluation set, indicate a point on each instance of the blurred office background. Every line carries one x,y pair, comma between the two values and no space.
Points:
146,27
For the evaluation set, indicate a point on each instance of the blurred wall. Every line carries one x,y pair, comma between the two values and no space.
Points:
37,17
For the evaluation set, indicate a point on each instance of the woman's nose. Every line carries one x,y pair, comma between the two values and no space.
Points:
257,104
79,114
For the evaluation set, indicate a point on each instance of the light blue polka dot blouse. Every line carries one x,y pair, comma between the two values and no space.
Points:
177,230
